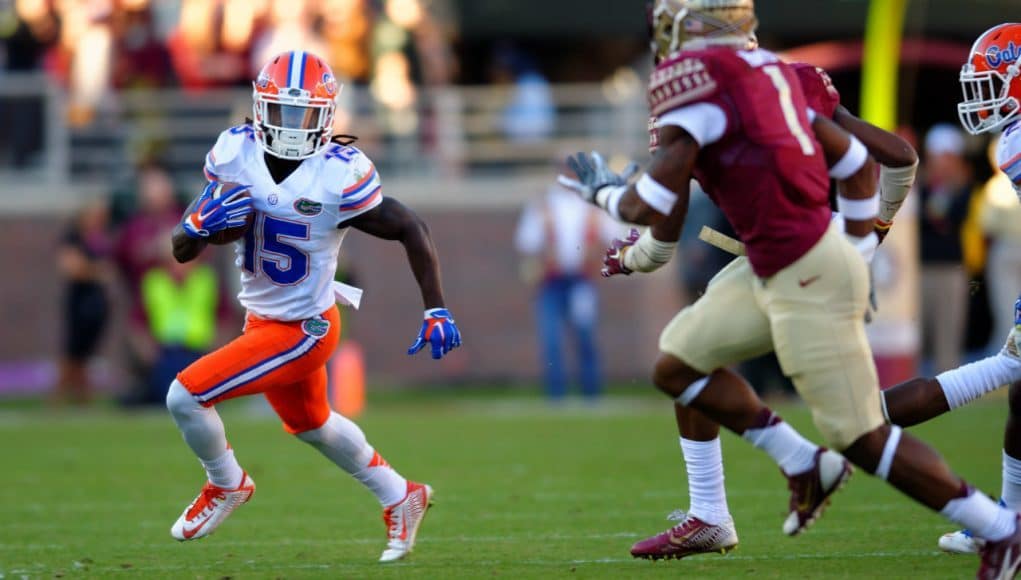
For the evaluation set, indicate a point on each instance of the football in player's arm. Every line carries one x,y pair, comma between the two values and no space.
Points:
390,220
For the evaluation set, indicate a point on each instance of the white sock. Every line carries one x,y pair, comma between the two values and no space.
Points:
1011,490
981,515
383,480
203,432
792,452
708,496
965,384
344,443
224,471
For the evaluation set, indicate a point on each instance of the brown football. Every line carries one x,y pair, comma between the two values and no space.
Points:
230,235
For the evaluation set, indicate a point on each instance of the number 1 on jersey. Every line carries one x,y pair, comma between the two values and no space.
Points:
267,249
790,114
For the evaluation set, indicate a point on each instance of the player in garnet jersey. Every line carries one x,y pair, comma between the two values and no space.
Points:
305,191
736,119
699,435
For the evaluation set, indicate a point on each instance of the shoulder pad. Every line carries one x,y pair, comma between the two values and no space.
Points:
1008,153
343,166
682,80
818,87
226,159
351,175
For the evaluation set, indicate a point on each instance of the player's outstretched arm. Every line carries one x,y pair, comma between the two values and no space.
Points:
391,220
654,197
854,169
887,148
658,199
898,163
921,399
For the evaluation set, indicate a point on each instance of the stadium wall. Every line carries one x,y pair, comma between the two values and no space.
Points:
493,306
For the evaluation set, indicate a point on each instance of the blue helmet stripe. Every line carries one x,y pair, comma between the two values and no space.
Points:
296,69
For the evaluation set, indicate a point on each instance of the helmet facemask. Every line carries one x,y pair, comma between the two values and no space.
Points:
292,124
987,103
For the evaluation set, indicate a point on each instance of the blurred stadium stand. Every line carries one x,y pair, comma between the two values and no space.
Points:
440,147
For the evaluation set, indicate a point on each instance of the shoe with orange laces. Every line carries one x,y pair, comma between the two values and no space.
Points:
403,519
210,508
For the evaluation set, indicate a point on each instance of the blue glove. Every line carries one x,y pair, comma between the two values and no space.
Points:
439,330
217,210
1013,347
594,174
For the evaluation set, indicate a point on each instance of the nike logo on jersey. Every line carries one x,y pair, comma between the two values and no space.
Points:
808,281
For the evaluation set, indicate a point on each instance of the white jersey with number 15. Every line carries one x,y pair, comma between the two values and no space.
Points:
288,258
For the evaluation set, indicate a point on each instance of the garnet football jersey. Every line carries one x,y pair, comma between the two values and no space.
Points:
759,159
820,94
288,258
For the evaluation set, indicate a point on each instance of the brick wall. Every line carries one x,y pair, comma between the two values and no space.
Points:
480,268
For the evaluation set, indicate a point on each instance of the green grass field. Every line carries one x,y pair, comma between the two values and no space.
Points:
522,491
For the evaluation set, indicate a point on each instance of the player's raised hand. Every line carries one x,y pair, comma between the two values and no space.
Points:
613,263
593,174
440,331
217,210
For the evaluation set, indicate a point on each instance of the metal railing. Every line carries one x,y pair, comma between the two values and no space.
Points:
451,143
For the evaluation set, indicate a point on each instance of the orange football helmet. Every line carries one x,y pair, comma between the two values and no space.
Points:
992,92
294,97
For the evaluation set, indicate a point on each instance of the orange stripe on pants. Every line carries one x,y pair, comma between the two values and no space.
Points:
284,360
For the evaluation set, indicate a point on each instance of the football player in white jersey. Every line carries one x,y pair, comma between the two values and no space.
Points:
992,102
301,191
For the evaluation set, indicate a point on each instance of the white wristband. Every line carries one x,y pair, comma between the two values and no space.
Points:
655,194
853,160
858,209
608,198
648,253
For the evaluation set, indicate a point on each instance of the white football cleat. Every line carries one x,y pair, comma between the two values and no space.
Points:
403,520
960,542
210,508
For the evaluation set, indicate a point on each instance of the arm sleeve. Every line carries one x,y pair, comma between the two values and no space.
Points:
705,122
362,187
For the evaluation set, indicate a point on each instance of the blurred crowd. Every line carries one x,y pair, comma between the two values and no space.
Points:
94,47
116,262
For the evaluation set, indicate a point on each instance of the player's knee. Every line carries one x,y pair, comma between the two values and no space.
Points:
311,423
312,435
179,400
874,451
677,379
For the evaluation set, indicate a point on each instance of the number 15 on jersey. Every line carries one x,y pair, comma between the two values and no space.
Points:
270,249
